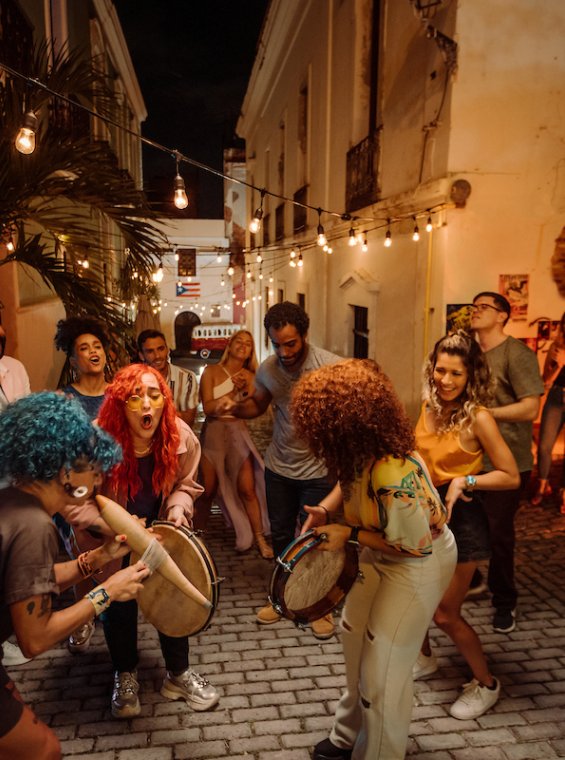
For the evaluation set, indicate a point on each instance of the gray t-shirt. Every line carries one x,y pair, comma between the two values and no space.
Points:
286,454
516,371
28,552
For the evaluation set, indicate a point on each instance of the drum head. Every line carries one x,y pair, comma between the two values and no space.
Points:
162,603
308,584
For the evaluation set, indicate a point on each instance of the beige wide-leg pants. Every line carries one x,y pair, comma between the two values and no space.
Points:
384,621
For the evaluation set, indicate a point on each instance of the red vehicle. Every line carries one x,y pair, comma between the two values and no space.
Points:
211,338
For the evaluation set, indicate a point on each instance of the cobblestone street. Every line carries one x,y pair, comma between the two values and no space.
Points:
279,685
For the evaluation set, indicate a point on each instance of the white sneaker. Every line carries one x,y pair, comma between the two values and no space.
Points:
424,666
475,700
191,686
13,655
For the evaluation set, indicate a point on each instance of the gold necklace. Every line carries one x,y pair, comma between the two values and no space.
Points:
143,452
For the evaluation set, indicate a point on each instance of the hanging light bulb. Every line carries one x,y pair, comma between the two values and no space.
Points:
329,250
261,272
364,244
231,270
248,273
233,295
429,225
352,237
222,281
271,278
10,244
292,253
388,236
416,233
259,257
300,262
176,255
180,198
25,139
255,224
218,258
85,262
292,262
322,240
158,274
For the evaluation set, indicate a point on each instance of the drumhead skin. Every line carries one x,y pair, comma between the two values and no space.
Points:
307,584
163,604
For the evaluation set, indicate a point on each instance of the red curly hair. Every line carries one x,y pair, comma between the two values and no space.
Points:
112,417
349,413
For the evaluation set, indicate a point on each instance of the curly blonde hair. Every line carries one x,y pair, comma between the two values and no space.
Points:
479,391
349,413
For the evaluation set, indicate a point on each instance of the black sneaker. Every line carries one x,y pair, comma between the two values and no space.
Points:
504,621
325,750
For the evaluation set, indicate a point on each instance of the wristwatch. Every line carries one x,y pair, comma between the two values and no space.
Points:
470,482
354,535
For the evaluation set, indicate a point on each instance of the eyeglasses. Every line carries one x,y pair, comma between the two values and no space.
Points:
483,307
135,403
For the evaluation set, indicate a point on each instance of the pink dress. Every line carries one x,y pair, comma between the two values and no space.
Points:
226,444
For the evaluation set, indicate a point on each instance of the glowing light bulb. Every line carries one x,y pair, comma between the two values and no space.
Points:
181,198
86,262
292,263
352,237
248,273
322,239
292,253
300,262
429,225
158,274
259,258
230,270
10,245
25,139
388,239
416,234
365,246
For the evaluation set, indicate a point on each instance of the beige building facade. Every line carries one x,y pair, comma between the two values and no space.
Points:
397,113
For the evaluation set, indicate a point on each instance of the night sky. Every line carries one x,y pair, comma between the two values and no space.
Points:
193,60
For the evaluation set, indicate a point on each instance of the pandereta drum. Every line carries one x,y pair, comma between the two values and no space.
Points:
163,604
306,583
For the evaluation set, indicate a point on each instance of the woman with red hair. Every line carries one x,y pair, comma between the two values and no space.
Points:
155,480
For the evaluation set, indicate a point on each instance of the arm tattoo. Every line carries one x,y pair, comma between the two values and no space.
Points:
30,608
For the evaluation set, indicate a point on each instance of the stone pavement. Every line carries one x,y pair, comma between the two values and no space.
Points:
279,685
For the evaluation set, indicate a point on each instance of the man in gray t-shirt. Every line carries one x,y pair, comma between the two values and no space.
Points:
517,398
294,477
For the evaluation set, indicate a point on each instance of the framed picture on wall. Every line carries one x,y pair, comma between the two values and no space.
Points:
457,317
515,287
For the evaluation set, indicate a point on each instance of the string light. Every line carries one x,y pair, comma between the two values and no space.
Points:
429,225
300,262
352,237
416,233
231,270
255,224
322,240
219,258
176,255
248,274
86,263
181,198
222,281
292,262
10,244
261,272
292,253
25,139
158,274
259,257
365,245
388,236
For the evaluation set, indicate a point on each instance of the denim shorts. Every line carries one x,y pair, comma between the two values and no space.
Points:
469,524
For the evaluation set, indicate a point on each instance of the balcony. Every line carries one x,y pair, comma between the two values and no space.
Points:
362,188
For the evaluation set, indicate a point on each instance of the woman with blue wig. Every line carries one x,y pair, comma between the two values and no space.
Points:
51,455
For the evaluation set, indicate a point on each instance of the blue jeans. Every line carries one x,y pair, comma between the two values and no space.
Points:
286,499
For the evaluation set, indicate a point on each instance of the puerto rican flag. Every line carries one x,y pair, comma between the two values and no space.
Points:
188,289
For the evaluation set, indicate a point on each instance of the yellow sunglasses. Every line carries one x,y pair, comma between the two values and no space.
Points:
135,403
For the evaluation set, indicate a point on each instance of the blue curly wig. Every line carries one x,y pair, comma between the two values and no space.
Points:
43,432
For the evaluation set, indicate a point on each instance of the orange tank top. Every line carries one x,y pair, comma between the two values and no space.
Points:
444,455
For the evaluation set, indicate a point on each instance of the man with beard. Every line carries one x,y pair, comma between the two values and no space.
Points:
294,478
154,351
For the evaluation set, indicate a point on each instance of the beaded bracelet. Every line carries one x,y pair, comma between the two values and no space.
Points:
84,566
99,598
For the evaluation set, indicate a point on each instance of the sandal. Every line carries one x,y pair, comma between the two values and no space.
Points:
544,490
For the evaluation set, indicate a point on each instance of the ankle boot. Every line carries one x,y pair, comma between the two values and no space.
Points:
264,549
